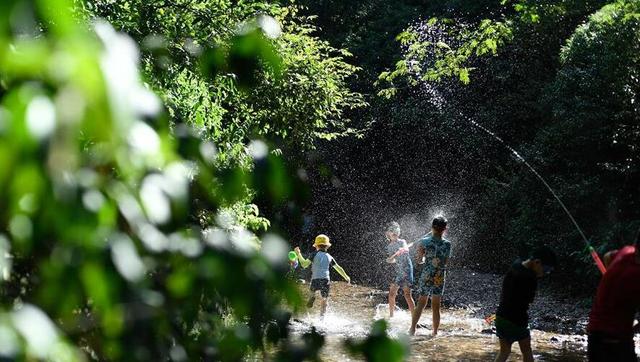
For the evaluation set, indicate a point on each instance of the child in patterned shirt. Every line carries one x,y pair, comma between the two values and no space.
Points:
436,251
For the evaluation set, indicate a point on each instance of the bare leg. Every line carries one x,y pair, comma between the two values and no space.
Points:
312,299
409,298
417,312
393,292
505,350
435,309
525,348
323,305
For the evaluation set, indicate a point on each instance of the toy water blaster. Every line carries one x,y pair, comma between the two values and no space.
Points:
596,259
293,259
490,319
409,246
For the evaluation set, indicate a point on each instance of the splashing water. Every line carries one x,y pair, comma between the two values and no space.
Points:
533,170
353,309
432,32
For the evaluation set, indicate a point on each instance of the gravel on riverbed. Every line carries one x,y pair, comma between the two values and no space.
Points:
553,310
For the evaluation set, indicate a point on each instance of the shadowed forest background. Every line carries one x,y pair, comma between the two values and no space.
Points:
158,159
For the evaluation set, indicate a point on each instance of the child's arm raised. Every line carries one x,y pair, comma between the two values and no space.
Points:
392,258
304,263
402,250
341,271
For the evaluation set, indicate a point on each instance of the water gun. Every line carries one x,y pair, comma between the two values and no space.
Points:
293,260
404,250
490,319
596,258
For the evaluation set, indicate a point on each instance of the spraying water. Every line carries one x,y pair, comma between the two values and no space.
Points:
433,34
593,253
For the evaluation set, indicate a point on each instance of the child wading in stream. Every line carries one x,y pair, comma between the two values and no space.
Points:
518,290
436,251
320,262
398,252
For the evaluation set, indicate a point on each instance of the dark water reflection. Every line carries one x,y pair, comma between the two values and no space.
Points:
354,308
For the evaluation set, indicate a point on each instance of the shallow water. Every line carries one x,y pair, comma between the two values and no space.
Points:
353,309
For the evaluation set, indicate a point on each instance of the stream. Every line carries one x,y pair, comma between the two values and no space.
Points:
463,336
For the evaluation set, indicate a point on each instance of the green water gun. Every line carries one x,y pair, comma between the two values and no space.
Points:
293,259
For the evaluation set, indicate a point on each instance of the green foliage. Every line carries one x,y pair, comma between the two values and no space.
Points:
585,146
460,44
378,346
309,349
100,228
595,98
299,97
446,54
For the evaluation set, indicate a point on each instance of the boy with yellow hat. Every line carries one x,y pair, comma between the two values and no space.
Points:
320,262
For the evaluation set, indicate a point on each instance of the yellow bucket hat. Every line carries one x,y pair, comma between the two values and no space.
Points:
321,240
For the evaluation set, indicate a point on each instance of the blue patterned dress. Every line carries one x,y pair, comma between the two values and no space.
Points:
436,252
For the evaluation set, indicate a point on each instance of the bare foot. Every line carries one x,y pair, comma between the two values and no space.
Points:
412,331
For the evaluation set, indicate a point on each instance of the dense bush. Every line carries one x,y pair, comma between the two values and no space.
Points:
124,227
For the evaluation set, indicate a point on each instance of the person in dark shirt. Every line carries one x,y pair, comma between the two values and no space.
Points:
617,301
518,290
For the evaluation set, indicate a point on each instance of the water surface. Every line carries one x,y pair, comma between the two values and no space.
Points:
462,337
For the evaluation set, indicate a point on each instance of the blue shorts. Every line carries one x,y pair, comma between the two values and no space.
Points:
430,284
403,279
